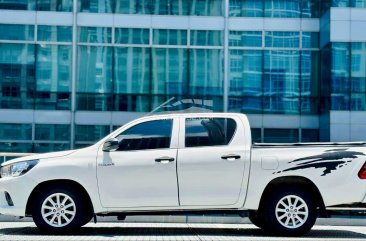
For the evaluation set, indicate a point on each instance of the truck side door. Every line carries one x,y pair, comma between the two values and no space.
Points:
211,161
142,171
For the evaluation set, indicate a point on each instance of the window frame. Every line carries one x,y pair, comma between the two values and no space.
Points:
182,139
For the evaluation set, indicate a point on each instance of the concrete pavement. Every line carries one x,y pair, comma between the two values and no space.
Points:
174,231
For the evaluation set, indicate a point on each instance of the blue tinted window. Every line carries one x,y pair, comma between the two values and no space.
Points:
207,7
53,71
134,6
246,8
95,35
340,3
310,8
206,38
282,8
281,135
309,135
94,78
310,105
94,69
246,104
358,3
310,40
171,7
54,33
310,69
281,84
52,132
358,63
133,73
16,147
282,39
169,75
281,73
281,104
169,37
339,101
132,35
15,131
17,68
249,70
358,102
90,133
245,38
53,77
206,72
256,135
96,6
54,5
18,5
340,68
16,32
49,147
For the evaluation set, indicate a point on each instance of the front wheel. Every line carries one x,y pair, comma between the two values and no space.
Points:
256,218
58,210
290,213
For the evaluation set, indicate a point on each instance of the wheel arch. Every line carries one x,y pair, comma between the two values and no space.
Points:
298,182
65,183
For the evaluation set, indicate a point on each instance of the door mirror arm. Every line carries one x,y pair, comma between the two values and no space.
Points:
111,144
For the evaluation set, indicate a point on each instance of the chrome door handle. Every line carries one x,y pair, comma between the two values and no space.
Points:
231,157
164,159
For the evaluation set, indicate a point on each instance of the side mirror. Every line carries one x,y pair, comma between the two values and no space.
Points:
111,145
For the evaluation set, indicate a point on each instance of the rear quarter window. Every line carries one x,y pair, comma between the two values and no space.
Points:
209,131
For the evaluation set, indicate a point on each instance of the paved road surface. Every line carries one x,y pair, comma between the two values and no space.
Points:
171,231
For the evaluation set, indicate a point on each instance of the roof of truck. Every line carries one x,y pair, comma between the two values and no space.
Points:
193,114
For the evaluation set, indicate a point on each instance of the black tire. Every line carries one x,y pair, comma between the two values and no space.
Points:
256,218
87,219
76,220
295,220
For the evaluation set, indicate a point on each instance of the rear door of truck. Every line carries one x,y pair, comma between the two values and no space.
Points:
211,161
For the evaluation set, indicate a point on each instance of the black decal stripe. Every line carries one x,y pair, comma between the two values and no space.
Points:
330,160
329,166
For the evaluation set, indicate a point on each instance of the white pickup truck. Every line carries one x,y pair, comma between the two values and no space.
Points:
178,164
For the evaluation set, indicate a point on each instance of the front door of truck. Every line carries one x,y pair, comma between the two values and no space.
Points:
211,161
142,171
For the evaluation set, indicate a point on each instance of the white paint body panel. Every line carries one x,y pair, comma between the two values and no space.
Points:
198,179
138,181
341,186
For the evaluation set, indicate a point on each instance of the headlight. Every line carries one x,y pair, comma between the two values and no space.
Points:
17,169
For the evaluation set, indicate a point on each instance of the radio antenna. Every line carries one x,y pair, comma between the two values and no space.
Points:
166,102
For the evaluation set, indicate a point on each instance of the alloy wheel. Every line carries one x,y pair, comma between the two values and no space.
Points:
291,211
58,210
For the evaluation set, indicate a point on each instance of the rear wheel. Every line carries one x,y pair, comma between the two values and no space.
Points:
290,213
59,210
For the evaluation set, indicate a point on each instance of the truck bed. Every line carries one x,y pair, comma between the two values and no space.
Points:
305,144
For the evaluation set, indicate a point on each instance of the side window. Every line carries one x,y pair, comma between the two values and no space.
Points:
148,135
209,131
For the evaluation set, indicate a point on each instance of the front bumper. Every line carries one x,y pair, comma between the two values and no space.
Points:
19,190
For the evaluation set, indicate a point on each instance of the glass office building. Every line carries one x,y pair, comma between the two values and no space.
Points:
71,71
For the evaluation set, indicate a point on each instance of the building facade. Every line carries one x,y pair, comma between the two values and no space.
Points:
71,71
